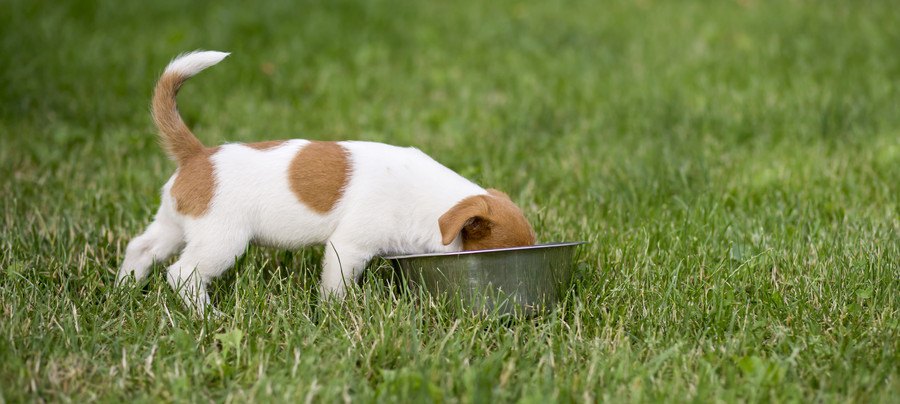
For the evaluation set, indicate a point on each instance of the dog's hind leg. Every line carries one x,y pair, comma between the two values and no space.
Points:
207,255
162,238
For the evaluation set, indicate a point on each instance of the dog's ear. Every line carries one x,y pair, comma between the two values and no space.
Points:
469,215
498,194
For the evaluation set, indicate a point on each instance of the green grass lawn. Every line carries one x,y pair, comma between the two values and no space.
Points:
734,165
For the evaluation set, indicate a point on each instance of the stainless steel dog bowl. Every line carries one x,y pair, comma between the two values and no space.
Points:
507,280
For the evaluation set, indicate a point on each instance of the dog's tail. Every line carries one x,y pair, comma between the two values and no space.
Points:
177,140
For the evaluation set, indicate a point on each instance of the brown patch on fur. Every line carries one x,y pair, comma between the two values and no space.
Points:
318,174
269,144
177,140
486,222
195,184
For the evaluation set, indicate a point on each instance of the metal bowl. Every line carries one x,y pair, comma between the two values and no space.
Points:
505,281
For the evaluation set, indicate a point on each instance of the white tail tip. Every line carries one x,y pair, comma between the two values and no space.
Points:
191,63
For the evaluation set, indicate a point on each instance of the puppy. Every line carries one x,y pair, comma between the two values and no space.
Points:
360,199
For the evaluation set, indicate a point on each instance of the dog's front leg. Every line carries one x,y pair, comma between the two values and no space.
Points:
342,266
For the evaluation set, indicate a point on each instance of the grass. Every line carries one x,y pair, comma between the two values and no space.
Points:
735,166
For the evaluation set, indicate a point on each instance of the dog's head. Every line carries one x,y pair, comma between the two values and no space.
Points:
486,222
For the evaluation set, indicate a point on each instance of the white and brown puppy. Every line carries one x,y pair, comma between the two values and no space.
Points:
360,199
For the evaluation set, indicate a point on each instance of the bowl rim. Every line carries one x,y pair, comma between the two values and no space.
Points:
495,250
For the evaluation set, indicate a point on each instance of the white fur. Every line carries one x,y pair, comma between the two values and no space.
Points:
191,63
391,204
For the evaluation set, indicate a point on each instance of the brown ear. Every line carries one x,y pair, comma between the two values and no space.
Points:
497,193
469,213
